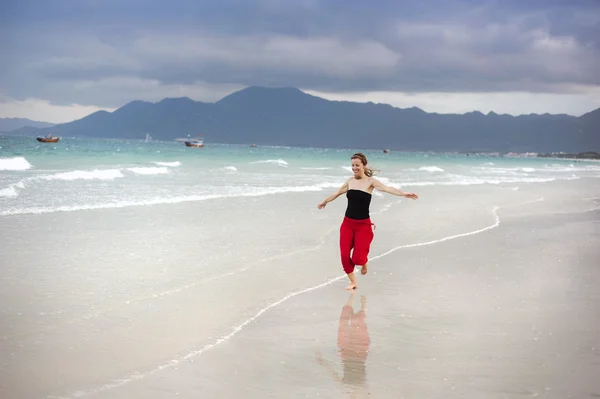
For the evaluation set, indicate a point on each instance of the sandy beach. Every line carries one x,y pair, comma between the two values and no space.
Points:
186,187
472,292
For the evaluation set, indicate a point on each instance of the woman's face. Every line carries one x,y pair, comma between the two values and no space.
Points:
357,167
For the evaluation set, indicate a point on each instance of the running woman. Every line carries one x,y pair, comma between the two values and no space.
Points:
356,233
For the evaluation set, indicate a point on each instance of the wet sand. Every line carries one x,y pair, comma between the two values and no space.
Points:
476,293
511,312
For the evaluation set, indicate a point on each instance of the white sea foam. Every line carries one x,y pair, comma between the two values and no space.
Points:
245,192
96,174
431,169
318,168
331,184
231,168
149,170
278,162
571,168
169,164
554,168
469,181
9,192
16,163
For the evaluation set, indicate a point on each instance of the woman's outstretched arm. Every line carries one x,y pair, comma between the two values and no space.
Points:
392,190
340,191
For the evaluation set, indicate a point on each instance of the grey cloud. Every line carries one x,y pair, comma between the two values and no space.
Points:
518,58
326,56
467,48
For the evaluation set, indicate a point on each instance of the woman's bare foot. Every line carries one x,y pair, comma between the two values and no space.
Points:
364,269
352,285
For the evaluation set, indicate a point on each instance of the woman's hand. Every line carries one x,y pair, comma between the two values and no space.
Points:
322,205
411,195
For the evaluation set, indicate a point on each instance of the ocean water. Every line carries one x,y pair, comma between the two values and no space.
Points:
79,174
132,269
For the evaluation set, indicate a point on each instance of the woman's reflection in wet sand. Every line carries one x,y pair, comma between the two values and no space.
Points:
353,345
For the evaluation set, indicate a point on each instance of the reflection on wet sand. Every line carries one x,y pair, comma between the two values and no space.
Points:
353,346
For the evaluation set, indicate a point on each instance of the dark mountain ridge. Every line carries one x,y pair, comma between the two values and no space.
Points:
288,116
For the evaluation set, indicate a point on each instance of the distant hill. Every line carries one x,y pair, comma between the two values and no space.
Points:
288,116
8,124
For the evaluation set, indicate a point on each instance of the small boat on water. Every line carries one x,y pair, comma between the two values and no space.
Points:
48,139
194,142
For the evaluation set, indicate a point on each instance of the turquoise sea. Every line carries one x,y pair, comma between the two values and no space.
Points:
77,174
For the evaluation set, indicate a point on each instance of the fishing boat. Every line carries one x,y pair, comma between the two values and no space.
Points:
194,142
49,138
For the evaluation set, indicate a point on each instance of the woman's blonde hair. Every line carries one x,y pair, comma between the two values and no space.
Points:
363,159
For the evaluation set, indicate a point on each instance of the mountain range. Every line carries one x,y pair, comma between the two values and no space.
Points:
290,117
8,124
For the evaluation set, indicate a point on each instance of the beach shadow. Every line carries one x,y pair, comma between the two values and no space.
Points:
353,346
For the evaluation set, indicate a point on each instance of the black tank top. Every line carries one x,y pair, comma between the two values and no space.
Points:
358,204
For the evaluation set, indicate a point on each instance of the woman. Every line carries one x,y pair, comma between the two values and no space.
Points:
356,233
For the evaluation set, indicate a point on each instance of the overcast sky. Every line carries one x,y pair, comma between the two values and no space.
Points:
63,59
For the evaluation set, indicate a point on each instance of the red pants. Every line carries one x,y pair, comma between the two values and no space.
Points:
355,237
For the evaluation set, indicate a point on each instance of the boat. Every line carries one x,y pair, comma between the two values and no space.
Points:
194,142
48,139
386,151
148,138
